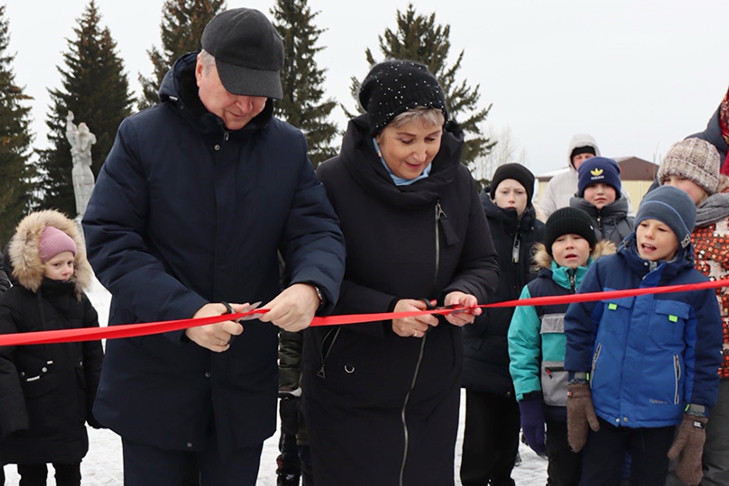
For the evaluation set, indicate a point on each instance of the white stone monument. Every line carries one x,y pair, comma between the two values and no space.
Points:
81,140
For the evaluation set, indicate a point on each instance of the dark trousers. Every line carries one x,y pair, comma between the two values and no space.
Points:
36,474
146,465
564,465
294,459
490,439
603,457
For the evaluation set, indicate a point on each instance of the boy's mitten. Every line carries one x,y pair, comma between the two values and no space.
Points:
532,423
580,414
688,447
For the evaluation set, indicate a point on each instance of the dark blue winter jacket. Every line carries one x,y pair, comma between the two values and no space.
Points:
184,213
650,355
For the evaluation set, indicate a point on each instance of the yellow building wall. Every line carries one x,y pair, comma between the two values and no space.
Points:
635,190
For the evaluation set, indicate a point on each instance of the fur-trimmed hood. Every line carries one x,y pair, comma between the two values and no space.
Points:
23,250
542,259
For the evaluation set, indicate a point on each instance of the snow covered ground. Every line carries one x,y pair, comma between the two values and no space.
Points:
102,466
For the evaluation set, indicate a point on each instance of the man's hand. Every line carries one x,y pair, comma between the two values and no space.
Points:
293,309
412,326
461,318
215,337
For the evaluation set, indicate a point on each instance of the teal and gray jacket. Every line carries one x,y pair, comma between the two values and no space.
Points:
536,334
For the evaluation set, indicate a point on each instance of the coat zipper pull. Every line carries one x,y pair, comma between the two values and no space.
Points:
515,249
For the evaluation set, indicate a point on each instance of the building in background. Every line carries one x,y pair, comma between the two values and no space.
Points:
636,176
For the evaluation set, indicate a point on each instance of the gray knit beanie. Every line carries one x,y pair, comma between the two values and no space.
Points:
694,159
673,207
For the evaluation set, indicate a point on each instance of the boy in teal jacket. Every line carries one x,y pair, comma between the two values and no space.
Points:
537,341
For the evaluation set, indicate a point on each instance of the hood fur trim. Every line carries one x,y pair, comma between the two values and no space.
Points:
542,259
23,250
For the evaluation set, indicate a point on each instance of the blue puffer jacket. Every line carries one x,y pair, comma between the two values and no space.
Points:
650,355
185,212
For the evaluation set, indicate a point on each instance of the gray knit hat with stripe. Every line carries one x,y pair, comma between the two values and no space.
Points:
694,159
673,207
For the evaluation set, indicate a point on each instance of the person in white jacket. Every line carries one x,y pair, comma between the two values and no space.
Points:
563,186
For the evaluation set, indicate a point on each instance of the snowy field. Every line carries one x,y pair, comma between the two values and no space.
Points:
102,466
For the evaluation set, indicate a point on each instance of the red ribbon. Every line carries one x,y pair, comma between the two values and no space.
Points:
132,330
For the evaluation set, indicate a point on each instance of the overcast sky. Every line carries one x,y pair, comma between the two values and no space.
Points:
636,74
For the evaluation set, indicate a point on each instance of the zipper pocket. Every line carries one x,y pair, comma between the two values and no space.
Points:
594,363
677,378
549,369
326,347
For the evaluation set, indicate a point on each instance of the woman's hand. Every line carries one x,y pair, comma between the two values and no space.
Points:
412,326
463,317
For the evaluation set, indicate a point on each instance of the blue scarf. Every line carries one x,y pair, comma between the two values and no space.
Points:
399,181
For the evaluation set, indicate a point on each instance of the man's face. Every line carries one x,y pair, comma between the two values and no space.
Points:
235,110
577,160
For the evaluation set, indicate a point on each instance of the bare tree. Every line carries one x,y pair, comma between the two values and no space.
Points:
505,150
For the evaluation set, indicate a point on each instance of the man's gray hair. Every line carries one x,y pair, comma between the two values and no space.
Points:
206,59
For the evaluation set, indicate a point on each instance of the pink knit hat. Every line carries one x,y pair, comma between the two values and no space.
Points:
54,241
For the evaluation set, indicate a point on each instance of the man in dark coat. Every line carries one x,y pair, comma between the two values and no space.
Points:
196,198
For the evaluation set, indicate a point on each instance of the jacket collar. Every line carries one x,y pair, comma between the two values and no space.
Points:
562,275
507,218
655,274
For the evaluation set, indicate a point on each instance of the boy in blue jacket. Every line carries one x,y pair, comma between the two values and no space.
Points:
641,365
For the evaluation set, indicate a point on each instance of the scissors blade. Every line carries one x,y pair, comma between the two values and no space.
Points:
249,308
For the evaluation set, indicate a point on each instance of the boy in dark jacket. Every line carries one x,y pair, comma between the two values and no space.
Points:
47,390
647,363
491,436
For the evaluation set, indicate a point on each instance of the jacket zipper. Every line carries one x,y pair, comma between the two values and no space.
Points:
325,353
439,213
677,376
594,363
515,248
573,280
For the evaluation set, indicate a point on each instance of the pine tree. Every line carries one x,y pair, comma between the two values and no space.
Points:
95,88
16,170
302,104
182,25
419,38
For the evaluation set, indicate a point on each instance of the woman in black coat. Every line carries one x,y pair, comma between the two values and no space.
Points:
381,399
491,436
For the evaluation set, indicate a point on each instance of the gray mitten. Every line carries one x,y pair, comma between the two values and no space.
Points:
580,414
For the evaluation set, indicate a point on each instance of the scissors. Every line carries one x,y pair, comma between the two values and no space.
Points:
248,308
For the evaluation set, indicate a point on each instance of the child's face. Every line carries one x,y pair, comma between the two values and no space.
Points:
60,267
695,191
571,251
510,194
600,195
655,240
